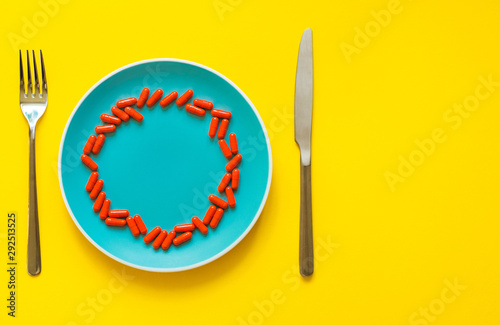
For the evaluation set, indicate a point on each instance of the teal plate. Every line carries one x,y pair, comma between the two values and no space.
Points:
165,167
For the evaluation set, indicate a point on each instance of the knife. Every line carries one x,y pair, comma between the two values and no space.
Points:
303,117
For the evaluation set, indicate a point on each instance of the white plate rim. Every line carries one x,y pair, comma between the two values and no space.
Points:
208,260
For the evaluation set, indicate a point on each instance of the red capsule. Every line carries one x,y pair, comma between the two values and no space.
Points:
203,103
233,143
223,128
97,188
217,216
143,98
201,227
220,113
233,162
126,102
105,208
169,98
88,161
140,224
224,182
90,143
152,235
132,225
184,228
115,222
210,213
230,197
159,240
105,128
118,213
182,238
168,241
106,118
98,144
194,110
99,201
235,179
217,201
214,123
184,98
225,149
154,97
91,182
133,113
121,114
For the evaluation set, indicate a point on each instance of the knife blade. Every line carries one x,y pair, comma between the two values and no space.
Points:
303,119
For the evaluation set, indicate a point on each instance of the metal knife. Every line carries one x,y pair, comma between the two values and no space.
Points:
303,118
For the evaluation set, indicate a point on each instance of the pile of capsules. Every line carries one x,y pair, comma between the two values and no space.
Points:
120,218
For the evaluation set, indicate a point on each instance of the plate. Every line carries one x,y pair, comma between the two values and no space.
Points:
165,167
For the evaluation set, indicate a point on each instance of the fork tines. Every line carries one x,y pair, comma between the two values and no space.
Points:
29,89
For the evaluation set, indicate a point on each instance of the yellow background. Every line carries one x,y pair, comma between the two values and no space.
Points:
391,252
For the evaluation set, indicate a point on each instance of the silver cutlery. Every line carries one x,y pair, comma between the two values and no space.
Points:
33,101
303,118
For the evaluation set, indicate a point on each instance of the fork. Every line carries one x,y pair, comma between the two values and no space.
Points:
33,104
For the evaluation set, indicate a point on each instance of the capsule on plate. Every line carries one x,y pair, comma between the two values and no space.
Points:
214,123
106,118
217,216
184,227
235,179
104,209
220,113
217,201
210,213
99,201
168,240
159,240
126,102
168,99
115,222
133,113
152,235
184,97
143,98
132,225
223,128
118,213
140,224
96,189
200,225
121,114
194,110
90,143
89,162
226,151
106,128
230,197
154,97
91,182
233,143
182,238
233,162
224,182
98,144
203,103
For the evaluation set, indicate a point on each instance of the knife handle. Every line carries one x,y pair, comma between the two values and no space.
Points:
306,254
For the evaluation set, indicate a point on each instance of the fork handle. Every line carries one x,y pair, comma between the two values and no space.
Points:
34,259
306,253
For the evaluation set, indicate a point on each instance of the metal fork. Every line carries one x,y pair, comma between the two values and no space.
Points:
33,104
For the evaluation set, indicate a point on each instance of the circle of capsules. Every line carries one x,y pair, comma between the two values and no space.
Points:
217,201
154,97
194,110
90,143
126,102
106,118
223,128
220,113
216,219
182,238
233,162
200,225
115,222
98,144
121,114
184,97
203,103
184,228
224,182
143,97
168,99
